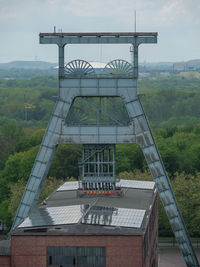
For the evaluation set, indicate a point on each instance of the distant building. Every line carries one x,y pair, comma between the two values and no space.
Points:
179,66
191,65
144,74
165,73
88,230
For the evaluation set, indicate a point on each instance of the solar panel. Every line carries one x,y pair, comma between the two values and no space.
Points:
114,217
85,214
136,184
68,186
53,216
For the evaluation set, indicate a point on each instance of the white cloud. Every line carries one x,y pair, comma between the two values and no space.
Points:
175,20
156,12
182,10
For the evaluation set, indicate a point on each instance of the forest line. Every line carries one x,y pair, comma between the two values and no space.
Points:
172,108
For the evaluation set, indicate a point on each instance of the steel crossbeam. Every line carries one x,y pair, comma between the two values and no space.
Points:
98,38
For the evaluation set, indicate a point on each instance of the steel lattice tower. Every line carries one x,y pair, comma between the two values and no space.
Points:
118,80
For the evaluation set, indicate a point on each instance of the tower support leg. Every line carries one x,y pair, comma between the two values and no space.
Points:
42,162
147,143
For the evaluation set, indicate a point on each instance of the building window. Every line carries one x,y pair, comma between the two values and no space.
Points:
76,257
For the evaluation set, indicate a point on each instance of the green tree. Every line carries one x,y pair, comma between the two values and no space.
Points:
19,165
5,215
65,162
17,190
186,189
31,139
7,147
129,157
12,129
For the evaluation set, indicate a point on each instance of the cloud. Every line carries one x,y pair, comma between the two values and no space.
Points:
154,12
108,8
182,10
177,21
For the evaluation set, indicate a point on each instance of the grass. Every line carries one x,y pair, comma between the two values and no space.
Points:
172,239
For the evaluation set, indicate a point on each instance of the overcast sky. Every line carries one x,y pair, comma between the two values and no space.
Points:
176,21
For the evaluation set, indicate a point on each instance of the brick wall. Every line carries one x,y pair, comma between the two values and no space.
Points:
150,239
5,261
30,251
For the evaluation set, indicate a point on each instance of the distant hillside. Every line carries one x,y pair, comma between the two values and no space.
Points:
156,66
194,61
190,65
27,65
143,66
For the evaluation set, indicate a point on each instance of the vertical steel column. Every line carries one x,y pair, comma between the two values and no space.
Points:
132,55
113,159
135,58
61,60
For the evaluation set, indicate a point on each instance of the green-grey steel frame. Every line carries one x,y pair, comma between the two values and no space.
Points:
97,167
137,132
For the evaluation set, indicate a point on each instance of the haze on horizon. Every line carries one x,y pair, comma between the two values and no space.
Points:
176,21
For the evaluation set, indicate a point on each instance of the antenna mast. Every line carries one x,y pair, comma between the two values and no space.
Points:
135,20
131,47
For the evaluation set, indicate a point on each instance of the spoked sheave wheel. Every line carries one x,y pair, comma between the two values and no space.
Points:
118,67
79,67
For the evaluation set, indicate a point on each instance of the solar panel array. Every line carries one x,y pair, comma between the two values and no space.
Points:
53,216
136,184
94,215
120,217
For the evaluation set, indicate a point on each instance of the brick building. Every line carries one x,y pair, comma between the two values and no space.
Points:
92,230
